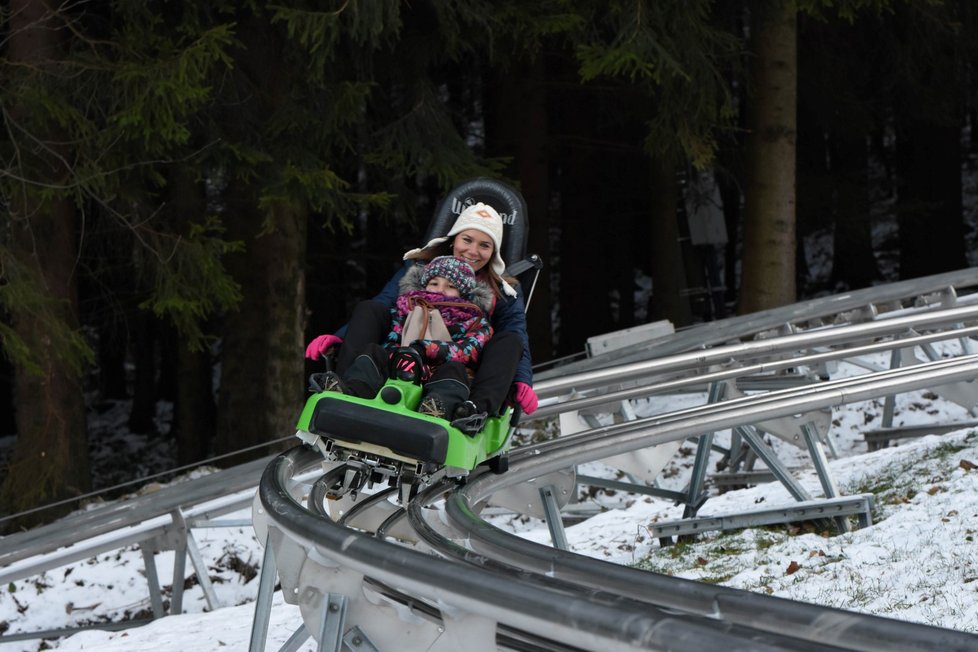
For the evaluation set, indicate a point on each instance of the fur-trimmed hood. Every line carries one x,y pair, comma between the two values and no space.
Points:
481,296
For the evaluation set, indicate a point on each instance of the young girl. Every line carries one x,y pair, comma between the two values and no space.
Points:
446,285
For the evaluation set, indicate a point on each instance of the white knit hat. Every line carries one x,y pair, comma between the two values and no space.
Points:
481,217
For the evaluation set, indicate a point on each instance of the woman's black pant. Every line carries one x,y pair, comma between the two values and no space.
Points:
494,375
369,324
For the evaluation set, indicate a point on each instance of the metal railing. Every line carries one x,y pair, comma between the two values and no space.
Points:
471,608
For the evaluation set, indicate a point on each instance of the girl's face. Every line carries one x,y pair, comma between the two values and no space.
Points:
442,285
474,247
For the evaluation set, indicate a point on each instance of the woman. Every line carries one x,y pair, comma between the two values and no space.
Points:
441,313
476,238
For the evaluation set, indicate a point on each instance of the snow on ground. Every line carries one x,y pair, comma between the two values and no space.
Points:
224,629
917,562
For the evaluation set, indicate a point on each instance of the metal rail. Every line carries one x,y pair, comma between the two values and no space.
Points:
162,520
772,354
861,633
475,597
509,598
836,310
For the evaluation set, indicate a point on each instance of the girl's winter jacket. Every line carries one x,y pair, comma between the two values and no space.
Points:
465,318
507,314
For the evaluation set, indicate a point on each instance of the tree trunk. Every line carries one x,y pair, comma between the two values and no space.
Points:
928,119
519,129
142,414
194,411
262,384
584,241
7,426
668,268
112,347
262,366
50,459
853,263
730,195
929,199
768,278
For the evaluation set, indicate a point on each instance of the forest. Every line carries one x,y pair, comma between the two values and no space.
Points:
192,190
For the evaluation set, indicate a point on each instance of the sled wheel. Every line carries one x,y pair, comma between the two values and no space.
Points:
499,464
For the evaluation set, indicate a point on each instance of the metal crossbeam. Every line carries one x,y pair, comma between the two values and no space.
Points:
880,438
860,505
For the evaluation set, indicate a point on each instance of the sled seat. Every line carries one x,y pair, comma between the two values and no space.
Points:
347,419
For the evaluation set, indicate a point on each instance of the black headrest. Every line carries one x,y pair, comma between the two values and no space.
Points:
507,201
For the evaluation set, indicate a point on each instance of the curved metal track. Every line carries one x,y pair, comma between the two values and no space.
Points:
369,574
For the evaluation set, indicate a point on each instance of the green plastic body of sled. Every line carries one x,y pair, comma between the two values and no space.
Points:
356,423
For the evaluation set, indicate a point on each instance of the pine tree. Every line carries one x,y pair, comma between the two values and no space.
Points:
770,230
101,97
38,258
667,61
936,46
768,277
837,114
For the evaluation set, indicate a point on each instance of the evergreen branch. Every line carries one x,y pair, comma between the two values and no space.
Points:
74,180
42,21
406,144
366,22
324,192
192,284
23,295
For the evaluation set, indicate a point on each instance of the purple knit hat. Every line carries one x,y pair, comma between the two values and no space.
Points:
458,272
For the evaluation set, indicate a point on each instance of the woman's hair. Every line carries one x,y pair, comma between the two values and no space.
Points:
445,249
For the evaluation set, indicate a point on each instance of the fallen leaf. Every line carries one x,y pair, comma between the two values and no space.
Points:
701,562
968,465
792,568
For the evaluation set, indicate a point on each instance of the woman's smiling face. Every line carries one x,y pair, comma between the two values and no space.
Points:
474,247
